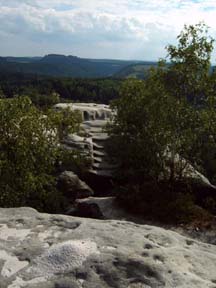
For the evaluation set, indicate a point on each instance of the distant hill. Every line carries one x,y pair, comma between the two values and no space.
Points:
69,66
138,70
22,59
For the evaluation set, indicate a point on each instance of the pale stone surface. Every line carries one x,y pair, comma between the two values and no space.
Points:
12,264
89,111
6,233
95,118
63,257
67,252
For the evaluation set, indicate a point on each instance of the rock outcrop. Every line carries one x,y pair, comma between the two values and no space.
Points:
92,141
89,111
93,138
72,187
95,117
54,251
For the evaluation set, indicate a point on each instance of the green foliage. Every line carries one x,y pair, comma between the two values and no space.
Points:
153,127
41,100
190,63
133,131
66,121
165,123
159,202
138,70
1,93
30,154
207,137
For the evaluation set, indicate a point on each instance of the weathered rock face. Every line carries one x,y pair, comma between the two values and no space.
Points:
89,111
54,251
95,118
183,167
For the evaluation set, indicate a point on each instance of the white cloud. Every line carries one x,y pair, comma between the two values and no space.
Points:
130,28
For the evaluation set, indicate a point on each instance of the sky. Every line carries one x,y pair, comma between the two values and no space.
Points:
114,29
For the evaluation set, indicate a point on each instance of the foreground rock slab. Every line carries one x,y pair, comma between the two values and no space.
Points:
54,251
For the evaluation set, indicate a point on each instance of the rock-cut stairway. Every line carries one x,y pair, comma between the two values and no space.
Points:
93,137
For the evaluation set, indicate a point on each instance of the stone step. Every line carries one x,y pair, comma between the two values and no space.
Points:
101,153
97,146
103,173
104,166
100,137
97,159
94,123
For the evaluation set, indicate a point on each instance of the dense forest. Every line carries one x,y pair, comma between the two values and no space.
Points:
41,88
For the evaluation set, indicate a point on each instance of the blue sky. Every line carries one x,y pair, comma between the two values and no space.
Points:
118,29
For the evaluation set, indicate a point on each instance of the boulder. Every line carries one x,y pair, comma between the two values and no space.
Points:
54,251
189,173
198,184
72,187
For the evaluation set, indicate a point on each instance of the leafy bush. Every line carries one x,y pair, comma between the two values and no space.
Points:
160,203
30,154
164,124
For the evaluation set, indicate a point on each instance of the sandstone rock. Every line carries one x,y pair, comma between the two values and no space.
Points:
183,167
54,251
72,187
93,139
199,185
89,111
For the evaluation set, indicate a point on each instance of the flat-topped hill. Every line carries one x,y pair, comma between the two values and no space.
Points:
64,66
